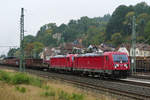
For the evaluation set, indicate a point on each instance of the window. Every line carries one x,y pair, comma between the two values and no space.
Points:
72,58
119,58
107,58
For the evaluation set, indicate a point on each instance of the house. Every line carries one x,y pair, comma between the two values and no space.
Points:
67,48
141,50
105,48
100,48
93,48
49,52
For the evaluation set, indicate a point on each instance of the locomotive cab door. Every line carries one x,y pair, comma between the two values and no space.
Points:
106,63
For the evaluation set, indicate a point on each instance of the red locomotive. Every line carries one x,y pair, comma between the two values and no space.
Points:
109,64
62,62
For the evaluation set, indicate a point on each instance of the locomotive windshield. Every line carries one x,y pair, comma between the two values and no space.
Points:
120,58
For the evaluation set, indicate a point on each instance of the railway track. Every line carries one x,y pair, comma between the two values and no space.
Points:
129,90
141,76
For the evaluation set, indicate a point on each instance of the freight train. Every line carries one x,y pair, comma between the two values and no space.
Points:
108,64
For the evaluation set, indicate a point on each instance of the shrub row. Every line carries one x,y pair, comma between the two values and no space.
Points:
19,78
62,95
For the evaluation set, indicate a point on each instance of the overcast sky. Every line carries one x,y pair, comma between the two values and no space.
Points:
40,12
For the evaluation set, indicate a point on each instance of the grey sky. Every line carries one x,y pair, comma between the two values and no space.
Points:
40,12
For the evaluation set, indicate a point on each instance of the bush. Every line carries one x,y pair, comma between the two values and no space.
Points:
20,78
77,96
63,96
49,93
36,82
21,89
4,76
46,87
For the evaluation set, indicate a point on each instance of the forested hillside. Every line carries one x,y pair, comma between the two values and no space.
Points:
112,29
119,28
91,29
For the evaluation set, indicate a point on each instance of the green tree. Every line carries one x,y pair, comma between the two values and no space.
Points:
147,32
116,39
2,56
127,23
141,8
28,39
142,19
29,50
38,48
95,35
11,52
116,22
33,50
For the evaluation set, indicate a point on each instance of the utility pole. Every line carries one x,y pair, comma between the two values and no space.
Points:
22,60
133,60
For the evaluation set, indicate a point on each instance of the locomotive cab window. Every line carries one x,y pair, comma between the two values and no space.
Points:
72,58
120,58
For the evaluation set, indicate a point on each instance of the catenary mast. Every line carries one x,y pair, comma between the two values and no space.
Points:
22,61
133,60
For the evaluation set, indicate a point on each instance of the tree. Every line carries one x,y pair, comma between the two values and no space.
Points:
142,19
115,23
38,48
2,56
121,21
17,53
128,23
147,32
28,39
95,35
29,50
11,52
141,8
116,39
33,50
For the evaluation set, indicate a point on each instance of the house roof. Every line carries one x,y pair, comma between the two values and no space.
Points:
140,46
106,48
69,46
102,47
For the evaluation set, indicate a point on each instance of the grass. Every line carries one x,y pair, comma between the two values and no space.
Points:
66,96
46,87
4,76
60,94
19,78
77,96
49,93
20,86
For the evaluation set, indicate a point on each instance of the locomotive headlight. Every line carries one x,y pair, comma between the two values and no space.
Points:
126,65
116,65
